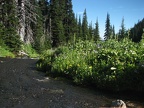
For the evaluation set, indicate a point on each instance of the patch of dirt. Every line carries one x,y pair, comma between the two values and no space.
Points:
22,86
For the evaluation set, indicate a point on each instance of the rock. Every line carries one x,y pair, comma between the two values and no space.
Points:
118,104
23,55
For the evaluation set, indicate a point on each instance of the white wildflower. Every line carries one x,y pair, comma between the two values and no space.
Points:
113,68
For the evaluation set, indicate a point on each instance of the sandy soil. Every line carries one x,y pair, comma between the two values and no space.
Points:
22,86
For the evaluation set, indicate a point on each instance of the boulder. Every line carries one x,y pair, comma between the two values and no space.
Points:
118,104
23,55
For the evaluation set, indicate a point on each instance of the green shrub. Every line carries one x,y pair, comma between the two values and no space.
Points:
110,65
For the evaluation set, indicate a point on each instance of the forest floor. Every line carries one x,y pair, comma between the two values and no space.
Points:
22,86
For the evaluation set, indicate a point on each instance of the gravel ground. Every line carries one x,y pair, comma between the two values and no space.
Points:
22,86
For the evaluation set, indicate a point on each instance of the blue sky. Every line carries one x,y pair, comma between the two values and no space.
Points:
130,10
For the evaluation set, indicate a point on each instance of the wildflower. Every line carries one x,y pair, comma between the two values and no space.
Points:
113,68
113,76
90,67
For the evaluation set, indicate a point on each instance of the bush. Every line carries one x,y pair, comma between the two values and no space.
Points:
110,65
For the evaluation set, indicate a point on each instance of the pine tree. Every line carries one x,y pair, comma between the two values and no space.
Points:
80,35
122,30
56,16
1,25
27,15
42,36
38,28
69,21
10,22
85,26
90,35
96,31
1,34
107,28
113,32
137,31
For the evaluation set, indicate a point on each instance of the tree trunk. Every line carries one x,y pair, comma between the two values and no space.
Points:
21,14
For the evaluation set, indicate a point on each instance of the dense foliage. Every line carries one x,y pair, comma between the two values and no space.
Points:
110,65
136,31
8,26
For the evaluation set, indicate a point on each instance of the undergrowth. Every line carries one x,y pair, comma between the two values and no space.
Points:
27,48
111,65
6,53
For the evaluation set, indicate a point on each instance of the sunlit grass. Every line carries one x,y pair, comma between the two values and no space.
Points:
27,48
6,53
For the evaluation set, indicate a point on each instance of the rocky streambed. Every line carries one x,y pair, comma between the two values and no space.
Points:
22,86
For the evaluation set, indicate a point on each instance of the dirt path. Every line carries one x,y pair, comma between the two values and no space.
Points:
21,86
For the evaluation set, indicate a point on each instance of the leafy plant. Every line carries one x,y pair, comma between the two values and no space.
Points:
112,65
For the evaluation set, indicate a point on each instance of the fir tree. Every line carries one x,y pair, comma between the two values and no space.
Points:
10,22
113,32
96,31
107,28
122,30
43,25
137,31
90,35
56,22
85,26
80,28
38,29
1,34
69,21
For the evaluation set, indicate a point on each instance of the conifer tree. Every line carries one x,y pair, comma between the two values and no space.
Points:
113,32
85,26
122,30
10,22
1,25
90,35
80,35
96,31
137,31
1,34
38,28
69,21
107,28
42,36
56,22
